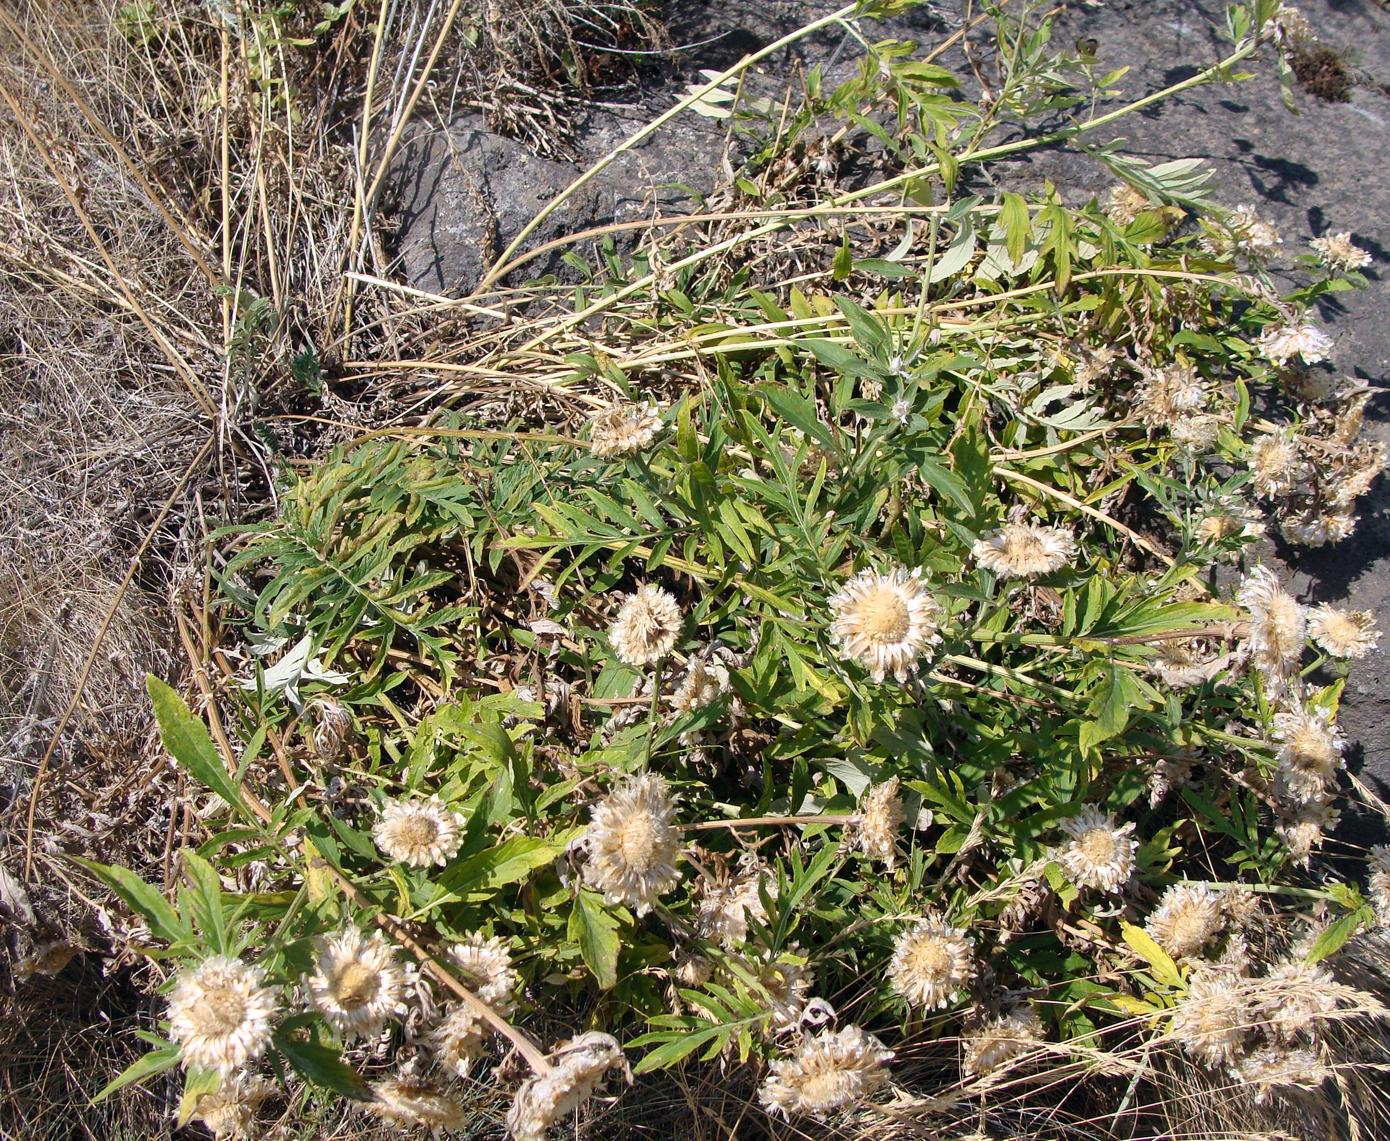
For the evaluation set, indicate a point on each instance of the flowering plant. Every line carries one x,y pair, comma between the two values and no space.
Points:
859,697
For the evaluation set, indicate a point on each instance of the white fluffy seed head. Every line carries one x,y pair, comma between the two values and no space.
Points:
885,622
1100,853
999,1041
831,1071
932,963
1343,633
357,983
220,1013
880,818
421,832
1213,1020
633,846
1278,625
647,627
578,1066
1187,919
408,1101
624,429
1025,550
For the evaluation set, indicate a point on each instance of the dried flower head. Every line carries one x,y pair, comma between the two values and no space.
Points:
786,982
1123,203
1197,433
1100,854
420,833
229,1112
1275,1068
1318,529
578,1067
1281,345
1338,251
885,622
1168,394
1278,625
623,429
485,968
874,829
1378,884
1274,464
1178,665
726,908
1094,363
1168,773
1025,550
1343,633
219,1014
459,1038
632,844
332,723
704,682
1228,521
932,963
1310,752
1355,472
1187,918
357,983
999,1041
831,1071
1295,998
1212,1020
647,626
1303,831
407,1100
1245,232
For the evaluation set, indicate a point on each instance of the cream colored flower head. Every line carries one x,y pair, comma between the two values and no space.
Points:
1168,394
485,967
1025,550
229,1112
704,682
1295,999
421,832
1276,1069
1319,528
1000,1040
1214,1019
1303,832
885,622
633,845
1306,342
726,909
624,429
1310,752
459,1038
219,1014
1275,465
578,1066
1343,633
647,626
880,818
1278,626
787,985
932,963
1338,251
1187,919
409,1101
357,983
1123,204
1100,853
831,1071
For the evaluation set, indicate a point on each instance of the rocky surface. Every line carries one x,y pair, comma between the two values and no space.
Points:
468,192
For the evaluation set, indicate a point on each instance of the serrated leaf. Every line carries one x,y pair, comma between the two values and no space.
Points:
595,930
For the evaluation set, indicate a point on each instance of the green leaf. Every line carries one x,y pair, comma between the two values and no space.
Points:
142,898
1335,937
1160,962
196,1083
510,862
674,1049
318,1064
1018,226
205,899
190,744
141,1070
1113,701
595,930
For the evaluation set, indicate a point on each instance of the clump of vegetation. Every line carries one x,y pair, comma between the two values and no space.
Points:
820,649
